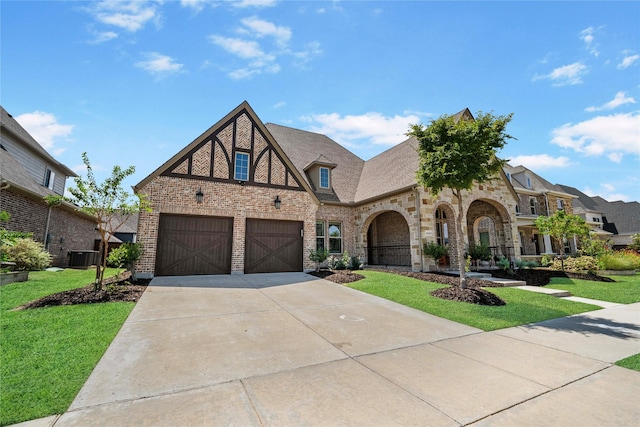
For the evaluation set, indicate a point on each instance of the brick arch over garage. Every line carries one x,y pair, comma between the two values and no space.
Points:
391,219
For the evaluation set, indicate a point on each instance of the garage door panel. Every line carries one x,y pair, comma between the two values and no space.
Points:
273,246
190,245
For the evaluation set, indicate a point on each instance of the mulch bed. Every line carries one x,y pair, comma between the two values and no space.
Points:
542,277
473,294
119,290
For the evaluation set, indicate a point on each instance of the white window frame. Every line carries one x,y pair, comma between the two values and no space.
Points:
561,204
328,178
49,178
339,239
533,206
236,166
323,226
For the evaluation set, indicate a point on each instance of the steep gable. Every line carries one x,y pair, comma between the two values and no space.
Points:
212,156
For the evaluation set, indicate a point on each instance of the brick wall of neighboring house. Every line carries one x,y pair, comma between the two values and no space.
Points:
30,216
177,196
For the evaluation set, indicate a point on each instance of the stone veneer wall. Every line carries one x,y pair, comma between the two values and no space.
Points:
29,215
177,196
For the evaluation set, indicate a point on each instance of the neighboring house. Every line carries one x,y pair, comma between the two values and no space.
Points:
245,197
126,232
589,210
27,174
537,197
622,219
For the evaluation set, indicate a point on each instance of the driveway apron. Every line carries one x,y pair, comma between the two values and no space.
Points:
291,349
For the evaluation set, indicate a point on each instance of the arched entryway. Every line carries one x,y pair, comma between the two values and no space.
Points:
388,240
488,224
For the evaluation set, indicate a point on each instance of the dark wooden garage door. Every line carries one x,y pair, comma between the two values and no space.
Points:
193,245
273,246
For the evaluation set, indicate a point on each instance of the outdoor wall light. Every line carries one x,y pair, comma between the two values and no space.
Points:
199,195
277,202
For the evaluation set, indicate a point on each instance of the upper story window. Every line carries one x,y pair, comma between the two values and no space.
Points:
324,178
242,166
49,178
596,219
528,182
560,204
532,206
517,209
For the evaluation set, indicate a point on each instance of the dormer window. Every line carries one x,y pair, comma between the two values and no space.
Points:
528,182
324,178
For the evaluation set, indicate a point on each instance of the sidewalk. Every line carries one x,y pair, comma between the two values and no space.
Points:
289,349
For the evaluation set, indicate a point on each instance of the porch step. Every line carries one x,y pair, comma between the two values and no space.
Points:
553,292
506,282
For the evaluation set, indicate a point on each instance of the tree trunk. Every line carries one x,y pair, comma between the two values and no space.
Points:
460,239
98,282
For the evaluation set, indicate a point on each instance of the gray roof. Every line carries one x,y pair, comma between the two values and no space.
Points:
9,124
304,148
625,215
538,183
583,203
390,171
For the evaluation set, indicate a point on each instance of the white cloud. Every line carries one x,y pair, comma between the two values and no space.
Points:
252,3
45,129
102,36
260,28
612,136
566,75
540,161
620,99
587,37
364,129
279,104
628,61
159,65
239,47
607,192
197,5
131,16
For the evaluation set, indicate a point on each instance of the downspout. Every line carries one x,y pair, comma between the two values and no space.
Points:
417,190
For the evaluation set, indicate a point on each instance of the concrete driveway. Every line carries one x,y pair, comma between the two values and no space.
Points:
289,349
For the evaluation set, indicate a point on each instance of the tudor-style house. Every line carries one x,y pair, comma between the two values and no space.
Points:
28,173
245,197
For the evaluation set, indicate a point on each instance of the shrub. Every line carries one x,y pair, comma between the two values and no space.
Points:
125,255
580,263
356,263
27,254
480,252
319,256
620,260
504,264
434,250
336,263
8,238
594,246
546,260
635,242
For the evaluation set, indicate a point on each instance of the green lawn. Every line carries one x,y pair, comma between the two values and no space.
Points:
625,290
522,306
631,362
47,354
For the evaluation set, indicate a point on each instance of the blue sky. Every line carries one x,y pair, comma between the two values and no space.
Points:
133,82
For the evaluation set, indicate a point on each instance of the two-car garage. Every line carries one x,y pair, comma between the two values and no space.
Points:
194,245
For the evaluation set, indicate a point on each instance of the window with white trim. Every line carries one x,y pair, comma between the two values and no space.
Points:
335,237
241,170
321,239
561,204
532,206
324,178
49,178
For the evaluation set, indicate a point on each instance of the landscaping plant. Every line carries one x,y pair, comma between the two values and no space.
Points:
125,256
434,250
27,254
458,153
319,256
561,226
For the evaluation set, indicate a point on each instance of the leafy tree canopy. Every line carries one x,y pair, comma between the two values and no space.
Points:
455,152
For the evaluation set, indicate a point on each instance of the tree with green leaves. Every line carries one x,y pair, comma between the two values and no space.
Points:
109,203
561,226
457,153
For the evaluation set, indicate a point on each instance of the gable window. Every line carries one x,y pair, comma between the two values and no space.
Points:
324,178
242,167
532,206
528,182
49,178
335,237
321,239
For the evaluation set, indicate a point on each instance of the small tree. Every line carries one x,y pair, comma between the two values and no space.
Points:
458,153
125,256
319,256
560,226
109,203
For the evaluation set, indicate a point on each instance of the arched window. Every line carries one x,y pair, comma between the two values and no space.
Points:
442,228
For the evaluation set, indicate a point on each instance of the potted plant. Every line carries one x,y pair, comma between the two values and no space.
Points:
481,253
435,251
